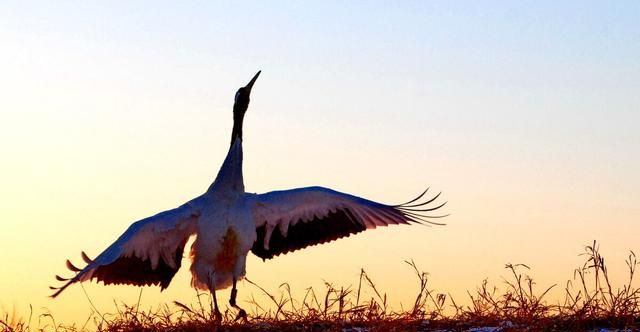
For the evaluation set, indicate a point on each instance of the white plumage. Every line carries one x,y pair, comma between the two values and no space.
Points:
227,223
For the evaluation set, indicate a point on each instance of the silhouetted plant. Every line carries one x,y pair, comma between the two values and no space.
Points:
590,300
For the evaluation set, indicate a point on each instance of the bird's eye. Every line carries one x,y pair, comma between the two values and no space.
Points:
237,95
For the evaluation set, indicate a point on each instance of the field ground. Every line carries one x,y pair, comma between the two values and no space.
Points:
591,303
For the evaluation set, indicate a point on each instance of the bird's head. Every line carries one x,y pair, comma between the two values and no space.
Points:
240,106
242,99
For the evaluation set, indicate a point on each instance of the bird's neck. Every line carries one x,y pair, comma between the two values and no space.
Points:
238,118
229,179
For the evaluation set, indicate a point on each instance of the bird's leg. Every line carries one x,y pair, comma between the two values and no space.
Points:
212,289
234,292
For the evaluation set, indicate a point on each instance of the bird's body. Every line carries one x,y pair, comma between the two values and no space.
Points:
228,222
226,231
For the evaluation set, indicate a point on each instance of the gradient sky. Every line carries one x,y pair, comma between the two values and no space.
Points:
525,114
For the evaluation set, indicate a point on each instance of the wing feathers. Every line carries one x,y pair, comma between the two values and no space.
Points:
293,219
72,267
59,278
148,253
365,218
132,270
86,258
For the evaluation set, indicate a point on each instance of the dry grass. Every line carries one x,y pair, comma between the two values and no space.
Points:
590,301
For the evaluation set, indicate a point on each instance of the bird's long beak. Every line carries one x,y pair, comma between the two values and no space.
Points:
253,80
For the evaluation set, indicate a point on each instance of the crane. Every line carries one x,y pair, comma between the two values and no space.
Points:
228,223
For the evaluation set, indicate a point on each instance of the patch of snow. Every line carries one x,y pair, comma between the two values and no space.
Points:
355,329
485,329
507,324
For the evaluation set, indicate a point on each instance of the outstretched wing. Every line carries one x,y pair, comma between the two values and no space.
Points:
148,253
293,219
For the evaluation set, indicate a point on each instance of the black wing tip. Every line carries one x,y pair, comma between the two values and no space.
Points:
86,258
306,233
58,290
69,281
72,267
414,209
413,200
59,278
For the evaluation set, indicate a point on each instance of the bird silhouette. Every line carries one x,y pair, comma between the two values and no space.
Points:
228,223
